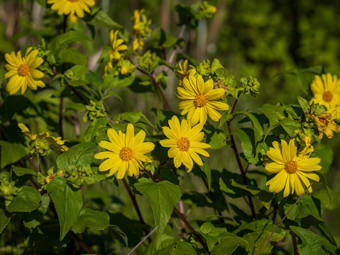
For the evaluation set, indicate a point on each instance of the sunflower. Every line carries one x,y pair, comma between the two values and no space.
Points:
292,170
326,90
200,100
117,45
126,152
74,8
22,71
184,143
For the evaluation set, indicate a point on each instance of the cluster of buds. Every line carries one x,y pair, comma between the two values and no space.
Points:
8,190
51,175
149,61
43,143
250,85
93,112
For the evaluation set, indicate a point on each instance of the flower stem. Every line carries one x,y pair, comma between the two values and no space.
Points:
166,105
296,251
134,202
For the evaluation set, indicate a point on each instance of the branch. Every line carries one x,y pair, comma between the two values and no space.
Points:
192,230
134,202
296,251
166,105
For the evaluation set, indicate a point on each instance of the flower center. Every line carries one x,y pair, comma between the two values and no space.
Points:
200,101
327,96
291,167
183,144
23,70
124,70
126,154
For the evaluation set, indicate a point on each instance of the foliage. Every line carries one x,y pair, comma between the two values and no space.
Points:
97,156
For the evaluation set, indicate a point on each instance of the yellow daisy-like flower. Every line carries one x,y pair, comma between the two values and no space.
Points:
126,152
200,100
292,169
182,71
23,72
117,45
326,90
184,143
74,8
141,28
326,124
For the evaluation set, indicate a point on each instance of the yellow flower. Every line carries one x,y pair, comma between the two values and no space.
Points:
74,8
326,90
200,100
182,71
292,169
22,71
117,45
141,28
126,152
184,143
326,124
43,141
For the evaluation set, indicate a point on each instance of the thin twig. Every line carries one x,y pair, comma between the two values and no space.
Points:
166,105
239,163
173,53
278,225
134,202
192,230
143,240
296,251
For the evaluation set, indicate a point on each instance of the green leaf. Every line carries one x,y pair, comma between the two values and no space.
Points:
228,244
325,153
4,220
312,243
68,203
133,117
273,113
247,146
303,103
111,81
61,42
258,130
19,171
292,127
77,156
217,140
71,55
11,152
27,200
306,206
101,19
96,128
92,219
163,197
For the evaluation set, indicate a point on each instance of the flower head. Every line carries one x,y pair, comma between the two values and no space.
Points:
23,72
117,45
141,28
199,100
325,123
182,71
126,152
184,142
326,90
74,8
292,169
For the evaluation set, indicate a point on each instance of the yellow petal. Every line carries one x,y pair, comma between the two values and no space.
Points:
274,167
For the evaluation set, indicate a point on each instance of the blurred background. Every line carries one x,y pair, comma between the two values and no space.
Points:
270,40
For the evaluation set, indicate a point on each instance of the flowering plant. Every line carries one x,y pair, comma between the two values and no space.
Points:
131,145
